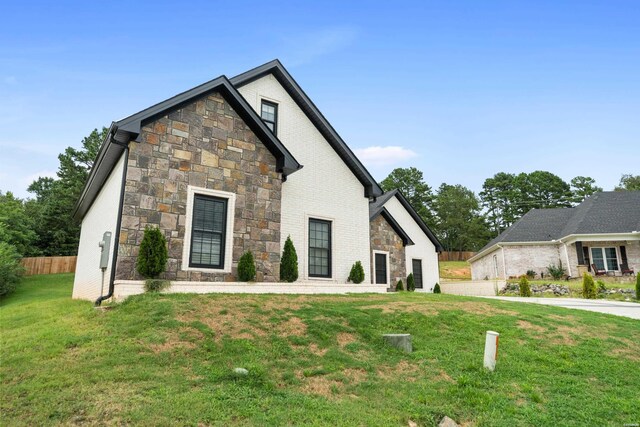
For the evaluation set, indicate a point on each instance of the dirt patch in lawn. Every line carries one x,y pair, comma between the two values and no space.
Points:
182,338
528,326
402,371
292,326
431,307
345,338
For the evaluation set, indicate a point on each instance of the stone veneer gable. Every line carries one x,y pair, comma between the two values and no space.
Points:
384,238
203,144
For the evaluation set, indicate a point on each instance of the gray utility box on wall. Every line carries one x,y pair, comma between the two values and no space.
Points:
105,244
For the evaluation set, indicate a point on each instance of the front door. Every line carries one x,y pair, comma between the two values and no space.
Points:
416,264
381,268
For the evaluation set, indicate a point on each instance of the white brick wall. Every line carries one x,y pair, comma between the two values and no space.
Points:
325,188
423,248
101,217
485,267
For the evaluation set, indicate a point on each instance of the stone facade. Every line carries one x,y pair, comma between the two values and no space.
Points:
384,238
204,144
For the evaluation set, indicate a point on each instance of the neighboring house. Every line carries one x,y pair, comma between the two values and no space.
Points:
219,169
603,230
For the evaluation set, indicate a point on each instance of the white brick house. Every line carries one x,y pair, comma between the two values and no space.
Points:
602,232
229,166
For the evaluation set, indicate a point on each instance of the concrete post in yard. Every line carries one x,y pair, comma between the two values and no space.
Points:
491,350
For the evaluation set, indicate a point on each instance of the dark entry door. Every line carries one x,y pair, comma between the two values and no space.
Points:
381,268
416,264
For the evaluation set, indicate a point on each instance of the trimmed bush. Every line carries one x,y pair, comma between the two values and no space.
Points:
156,285
411,283
436,289
525,288
357,273
588,286
556,271
289,262
152,259
399,286
246,267
531,274
638,286
10,268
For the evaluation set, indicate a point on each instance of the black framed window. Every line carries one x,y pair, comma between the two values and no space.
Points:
416,264
208,232
319,248
381,268
269,115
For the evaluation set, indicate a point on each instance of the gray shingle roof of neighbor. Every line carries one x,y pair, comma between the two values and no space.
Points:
377,207
604,212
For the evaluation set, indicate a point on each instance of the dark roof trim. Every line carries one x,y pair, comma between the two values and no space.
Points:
406,240
418,220
128,129
372,188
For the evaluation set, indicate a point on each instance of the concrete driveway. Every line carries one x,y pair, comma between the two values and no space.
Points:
617,308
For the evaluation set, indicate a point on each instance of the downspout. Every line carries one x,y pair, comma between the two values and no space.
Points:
116,243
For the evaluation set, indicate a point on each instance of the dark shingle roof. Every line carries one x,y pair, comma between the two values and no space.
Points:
605,212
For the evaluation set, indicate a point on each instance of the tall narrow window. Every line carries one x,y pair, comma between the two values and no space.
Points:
208,232
269,115
416,265
319,248
381,268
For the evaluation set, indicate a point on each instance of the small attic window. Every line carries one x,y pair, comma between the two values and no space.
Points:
269,115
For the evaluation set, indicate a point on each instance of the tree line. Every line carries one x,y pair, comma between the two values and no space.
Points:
43,225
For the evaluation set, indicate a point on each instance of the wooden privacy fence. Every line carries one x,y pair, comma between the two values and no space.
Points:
456,256
49,265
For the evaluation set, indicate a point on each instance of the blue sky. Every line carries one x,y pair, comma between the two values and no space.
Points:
459,89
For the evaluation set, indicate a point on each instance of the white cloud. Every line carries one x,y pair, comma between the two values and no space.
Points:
305,48
388,155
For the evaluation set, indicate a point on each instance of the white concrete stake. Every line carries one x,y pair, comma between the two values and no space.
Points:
491,350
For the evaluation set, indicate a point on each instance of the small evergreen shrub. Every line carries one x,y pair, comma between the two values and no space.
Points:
588,286
152,258
525,288
556,271
289,262
638,286
399,286
411,283
10,268
156,285
601,286
246,267
436,289
357,273
531,274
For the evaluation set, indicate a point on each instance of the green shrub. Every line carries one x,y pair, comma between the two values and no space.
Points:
531,274
246,267
357,273
525,289
638,286
411,283
601,286
152,259
556,271
436,289
588,286
156,285
399,286
10,269
289,262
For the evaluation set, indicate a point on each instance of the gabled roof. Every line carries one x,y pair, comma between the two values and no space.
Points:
377,207
602,213
384,213
128,129
372,189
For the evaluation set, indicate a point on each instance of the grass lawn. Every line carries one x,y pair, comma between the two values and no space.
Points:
455,270
312,360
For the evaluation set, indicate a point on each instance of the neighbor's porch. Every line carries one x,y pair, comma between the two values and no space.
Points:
605,257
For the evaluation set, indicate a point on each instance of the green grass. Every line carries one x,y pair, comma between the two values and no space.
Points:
455,270
312,360
575,288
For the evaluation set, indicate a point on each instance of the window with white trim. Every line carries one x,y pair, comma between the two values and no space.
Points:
208,236
605,258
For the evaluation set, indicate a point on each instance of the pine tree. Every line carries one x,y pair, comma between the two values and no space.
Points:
246,267
152,259
289,262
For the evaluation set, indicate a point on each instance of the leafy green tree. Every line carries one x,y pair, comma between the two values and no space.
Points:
460,224
10,268
289,262
629,182
16,225
583,187
411,184
497,196
55,199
